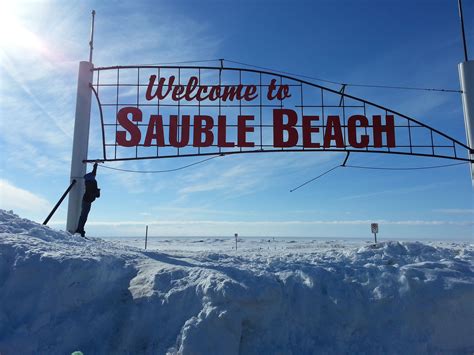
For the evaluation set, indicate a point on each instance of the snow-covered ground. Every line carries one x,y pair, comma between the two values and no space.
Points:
60,293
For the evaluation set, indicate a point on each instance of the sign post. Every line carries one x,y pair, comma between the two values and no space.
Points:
375,229
466,78
80,143
236,236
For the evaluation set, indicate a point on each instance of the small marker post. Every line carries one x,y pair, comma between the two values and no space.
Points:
375,229
236,236
146,237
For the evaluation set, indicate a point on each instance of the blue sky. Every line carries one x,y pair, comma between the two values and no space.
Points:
406,43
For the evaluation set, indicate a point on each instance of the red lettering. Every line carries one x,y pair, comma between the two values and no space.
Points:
232,93
333,132
250,93
193,90
271,88
135,135
221,134
352,131
242,130
192,84
174,137
151,82
155,131
283,92
308,129
279,127
178,92
159,89
200,96
215,93
379,128
199,130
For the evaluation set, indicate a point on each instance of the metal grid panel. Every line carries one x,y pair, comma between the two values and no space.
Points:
113,93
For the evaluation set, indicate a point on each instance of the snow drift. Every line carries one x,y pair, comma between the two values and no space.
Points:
60,293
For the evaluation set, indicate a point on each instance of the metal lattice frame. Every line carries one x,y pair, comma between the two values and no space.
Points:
120,89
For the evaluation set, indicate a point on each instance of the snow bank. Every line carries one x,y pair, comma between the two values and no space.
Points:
60,293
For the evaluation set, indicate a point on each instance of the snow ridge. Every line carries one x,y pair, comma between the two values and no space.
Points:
60,293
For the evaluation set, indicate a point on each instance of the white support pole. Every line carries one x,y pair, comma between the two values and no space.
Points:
466,77
80,143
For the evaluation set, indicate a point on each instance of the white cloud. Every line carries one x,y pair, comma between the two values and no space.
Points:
456,210
395,191
236,176
282,223
255,228
21,201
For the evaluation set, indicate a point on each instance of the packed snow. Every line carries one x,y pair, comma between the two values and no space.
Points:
60,293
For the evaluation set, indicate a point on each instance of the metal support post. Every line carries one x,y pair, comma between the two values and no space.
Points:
80,143
53,211
466,78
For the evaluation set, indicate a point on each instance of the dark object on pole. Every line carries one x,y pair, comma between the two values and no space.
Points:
146,236
59,202
462,30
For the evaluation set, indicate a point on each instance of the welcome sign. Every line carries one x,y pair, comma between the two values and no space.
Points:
198,130
156,112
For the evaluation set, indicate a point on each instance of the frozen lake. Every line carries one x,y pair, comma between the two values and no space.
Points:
268,245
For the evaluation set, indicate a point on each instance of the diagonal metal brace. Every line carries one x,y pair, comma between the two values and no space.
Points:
342,93
345,160
59,202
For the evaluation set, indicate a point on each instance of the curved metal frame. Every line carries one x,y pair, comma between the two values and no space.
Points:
101,119
342,94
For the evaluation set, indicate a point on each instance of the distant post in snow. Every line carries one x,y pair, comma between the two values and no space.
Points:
375,229
146,236
236,239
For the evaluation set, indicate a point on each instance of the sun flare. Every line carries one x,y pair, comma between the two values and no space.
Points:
14,34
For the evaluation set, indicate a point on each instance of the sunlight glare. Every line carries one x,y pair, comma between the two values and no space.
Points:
12,33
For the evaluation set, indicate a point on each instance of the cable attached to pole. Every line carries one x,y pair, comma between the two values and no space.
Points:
221,63
414,168
326,172
347,84
343,165
317,177
160,171
186,62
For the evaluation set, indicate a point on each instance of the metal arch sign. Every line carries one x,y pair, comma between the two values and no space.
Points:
173,111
